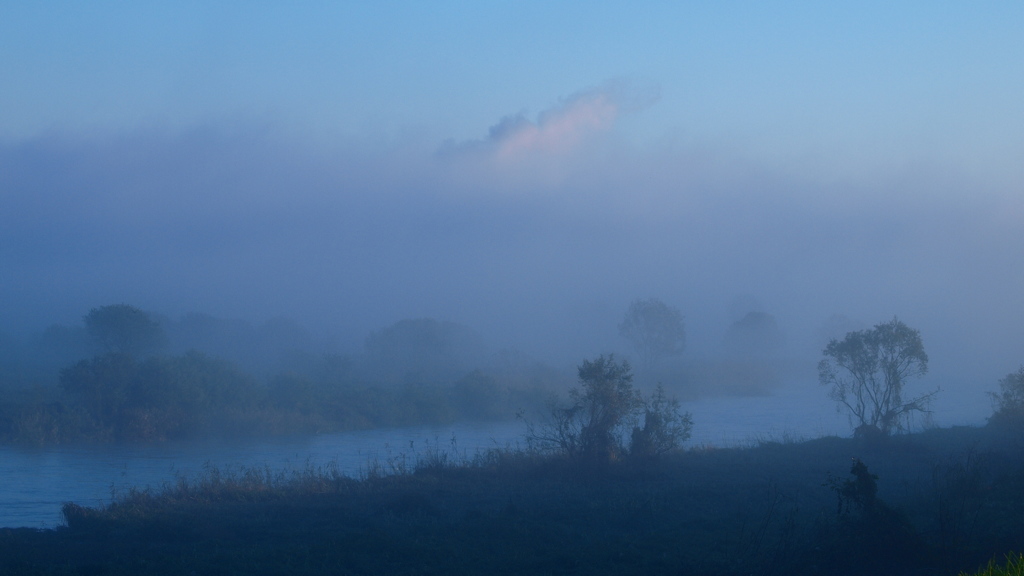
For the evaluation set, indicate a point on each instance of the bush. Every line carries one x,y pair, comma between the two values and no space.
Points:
606,405
1014,567
858,493
664,429
869,536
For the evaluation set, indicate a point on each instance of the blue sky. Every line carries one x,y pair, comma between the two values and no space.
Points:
527,168
785,80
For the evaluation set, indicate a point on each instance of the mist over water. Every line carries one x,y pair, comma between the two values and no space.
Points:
348,222
38,481
536,253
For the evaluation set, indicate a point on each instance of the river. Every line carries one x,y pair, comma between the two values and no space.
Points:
34,483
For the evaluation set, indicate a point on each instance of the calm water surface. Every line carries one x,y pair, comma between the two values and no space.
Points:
34,483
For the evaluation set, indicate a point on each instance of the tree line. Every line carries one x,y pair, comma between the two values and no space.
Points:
867,371
419,371
423,372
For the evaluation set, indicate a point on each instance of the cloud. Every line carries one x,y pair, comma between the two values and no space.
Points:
557,131
562,129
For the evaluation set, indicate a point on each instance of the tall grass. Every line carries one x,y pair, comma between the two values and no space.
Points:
766,509
1014,567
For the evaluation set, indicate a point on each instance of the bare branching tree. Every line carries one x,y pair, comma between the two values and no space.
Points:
868,370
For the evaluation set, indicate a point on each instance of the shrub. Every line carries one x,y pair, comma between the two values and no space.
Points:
869,536
858,493
606,405
664,429
1014,567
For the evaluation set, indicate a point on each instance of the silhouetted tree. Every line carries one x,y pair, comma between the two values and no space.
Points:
606,405
123,329
655,330
1009,401
868,370
604,400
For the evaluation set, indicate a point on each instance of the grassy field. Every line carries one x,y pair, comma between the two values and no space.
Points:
948,500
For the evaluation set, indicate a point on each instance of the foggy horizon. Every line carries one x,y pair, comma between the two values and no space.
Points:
801,166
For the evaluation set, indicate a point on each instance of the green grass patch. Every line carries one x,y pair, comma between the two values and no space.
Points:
1014,566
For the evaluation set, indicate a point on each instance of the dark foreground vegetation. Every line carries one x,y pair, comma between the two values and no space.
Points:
602,487
937,503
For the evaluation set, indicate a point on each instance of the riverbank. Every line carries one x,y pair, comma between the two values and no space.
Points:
947,500
36,481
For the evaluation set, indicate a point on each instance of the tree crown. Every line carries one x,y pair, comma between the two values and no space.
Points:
868,370
655,330
124,329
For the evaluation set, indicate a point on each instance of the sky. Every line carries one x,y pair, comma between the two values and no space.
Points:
525,168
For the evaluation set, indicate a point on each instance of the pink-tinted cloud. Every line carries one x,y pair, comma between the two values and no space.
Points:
562,129
557,131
